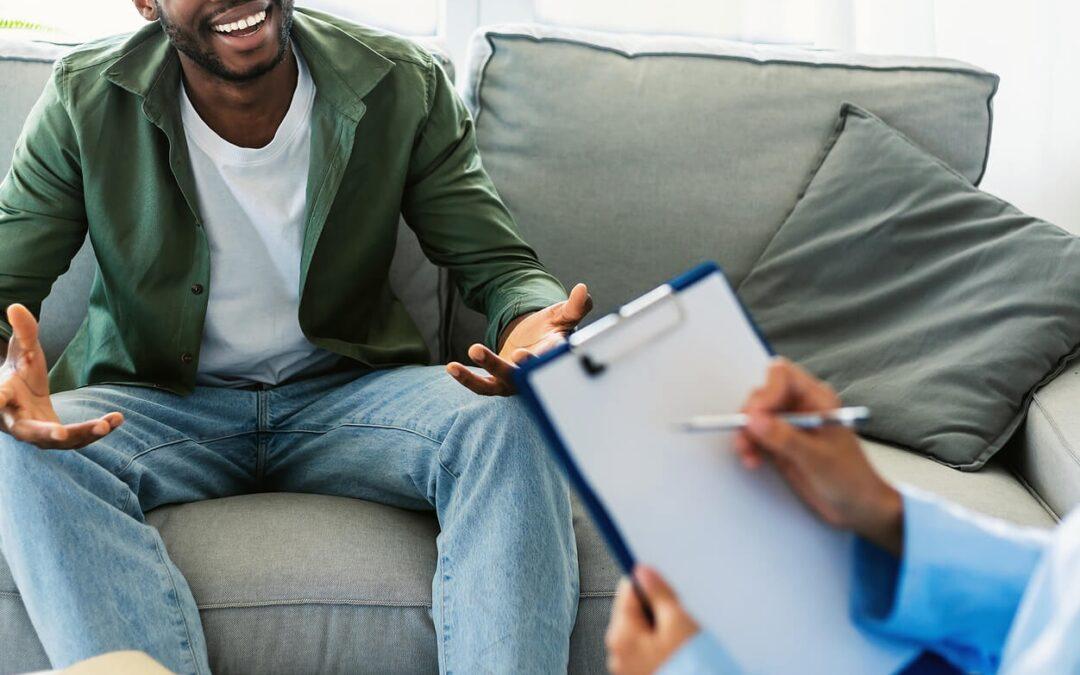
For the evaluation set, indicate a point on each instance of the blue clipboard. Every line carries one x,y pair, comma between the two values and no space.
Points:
616,543
616,389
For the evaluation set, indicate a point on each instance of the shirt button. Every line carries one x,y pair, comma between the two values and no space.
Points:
197,289
187,357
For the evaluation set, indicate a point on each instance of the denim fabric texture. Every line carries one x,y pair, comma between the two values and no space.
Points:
96,577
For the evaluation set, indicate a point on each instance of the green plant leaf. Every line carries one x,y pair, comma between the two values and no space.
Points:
19,24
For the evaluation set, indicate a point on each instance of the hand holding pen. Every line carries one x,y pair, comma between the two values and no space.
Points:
825,466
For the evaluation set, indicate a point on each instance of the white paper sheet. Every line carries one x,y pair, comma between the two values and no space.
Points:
748,560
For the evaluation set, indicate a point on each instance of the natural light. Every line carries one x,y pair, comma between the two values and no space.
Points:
83,19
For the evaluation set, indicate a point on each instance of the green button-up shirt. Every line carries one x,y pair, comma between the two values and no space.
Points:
104,152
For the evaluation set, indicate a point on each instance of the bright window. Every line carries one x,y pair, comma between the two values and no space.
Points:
86,19
758,20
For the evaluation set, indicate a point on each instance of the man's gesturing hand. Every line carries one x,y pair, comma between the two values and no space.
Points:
529,335
826,468
26,411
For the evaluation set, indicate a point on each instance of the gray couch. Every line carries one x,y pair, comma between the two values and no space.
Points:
625,161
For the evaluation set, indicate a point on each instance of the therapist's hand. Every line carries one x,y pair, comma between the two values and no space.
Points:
826,468
635,647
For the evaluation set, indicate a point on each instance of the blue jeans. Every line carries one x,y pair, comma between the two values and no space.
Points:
96,578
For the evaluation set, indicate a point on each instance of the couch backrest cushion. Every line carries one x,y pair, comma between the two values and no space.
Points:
627,159
26,65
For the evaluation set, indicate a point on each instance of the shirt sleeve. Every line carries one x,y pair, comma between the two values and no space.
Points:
42,214
701,655
463,225
958,586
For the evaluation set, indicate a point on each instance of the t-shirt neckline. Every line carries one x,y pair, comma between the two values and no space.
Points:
296,119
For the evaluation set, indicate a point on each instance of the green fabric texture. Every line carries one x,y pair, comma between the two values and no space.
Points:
940,307
104,152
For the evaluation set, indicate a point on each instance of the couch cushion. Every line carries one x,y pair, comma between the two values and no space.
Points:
290,583
25,66
627,159
994,490
1048,451
911,291
303,583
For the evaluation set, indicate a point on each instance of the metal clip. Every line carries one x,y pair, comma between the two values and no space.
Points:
645,305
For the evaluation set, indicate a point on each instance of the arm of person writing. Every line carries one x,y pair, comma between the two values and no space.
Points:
925,570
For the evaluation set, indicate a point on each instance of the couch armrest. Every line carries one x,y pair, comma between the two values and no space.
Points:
1048,452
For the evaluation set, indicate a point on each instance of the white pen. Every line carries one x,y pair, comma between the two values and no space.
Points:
840,417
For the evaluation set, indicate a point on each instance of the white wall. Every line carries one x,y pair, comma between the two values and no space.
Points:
1035,155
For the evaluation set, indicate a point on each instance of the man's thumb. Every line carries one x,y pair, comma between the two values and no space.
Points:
23,325
577,305
656,589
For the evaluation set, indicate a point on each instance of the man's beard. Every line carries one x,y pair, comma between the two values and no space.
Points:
191,46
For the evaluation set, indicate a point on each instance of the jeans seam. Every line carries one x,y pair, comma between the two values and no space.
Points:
445,660
176,594
262,415
139,455
254,604
365,425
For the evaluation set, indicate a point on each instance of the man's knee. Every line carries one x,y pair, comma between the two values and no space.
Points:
26,470
504,418
502,431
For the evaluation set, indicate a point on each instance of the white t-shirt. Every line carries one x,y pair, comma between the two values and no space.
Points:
253,203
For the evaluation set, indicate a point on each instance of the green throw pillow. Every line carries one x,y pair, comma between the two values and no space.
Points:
940,307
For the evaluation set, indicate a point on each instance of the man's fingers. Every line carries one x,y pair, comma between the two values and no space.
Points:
53,435
576,307
24,327
36,432
485,386
521,355
502,371
82,434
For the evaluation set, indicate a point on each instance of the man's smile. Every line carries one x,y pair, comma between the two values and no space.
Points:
245,26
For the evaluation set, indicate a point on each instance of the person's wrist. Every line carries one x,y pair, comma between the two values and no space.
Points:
506,331
882,521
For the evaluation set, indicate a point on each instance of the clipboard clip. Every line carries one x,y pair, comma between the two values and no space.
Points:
595,359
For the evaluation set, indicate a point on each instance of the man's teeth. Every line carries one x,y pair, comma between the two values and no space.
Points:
246,22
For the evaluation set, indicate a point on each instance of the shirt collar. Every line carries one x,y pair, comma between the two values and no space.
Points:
343,67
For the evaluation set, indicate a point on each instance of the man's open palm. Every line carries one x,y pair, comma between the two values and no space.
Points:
26,411
531,336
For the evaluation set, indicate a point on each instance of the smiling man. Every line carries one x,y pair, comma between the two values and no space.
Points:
240,169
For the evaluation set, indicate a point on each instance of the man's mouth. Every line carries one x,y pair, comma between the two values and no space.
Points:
242,27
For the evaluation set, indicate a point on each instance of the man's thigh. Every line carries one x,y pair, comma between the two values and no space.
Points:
379,436
170,448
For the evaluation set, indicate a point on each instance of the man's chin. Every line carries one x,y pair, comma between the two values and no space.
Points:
249,73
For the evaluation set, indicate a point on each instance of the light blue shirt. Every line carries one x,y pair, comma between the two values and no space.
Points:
985,595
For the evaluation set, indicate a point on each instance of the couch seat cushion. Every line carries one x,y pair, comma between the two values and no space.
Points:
291,583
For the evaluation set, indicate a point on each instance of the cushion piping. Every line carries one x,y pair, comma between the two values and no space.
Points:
285,602
477,83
